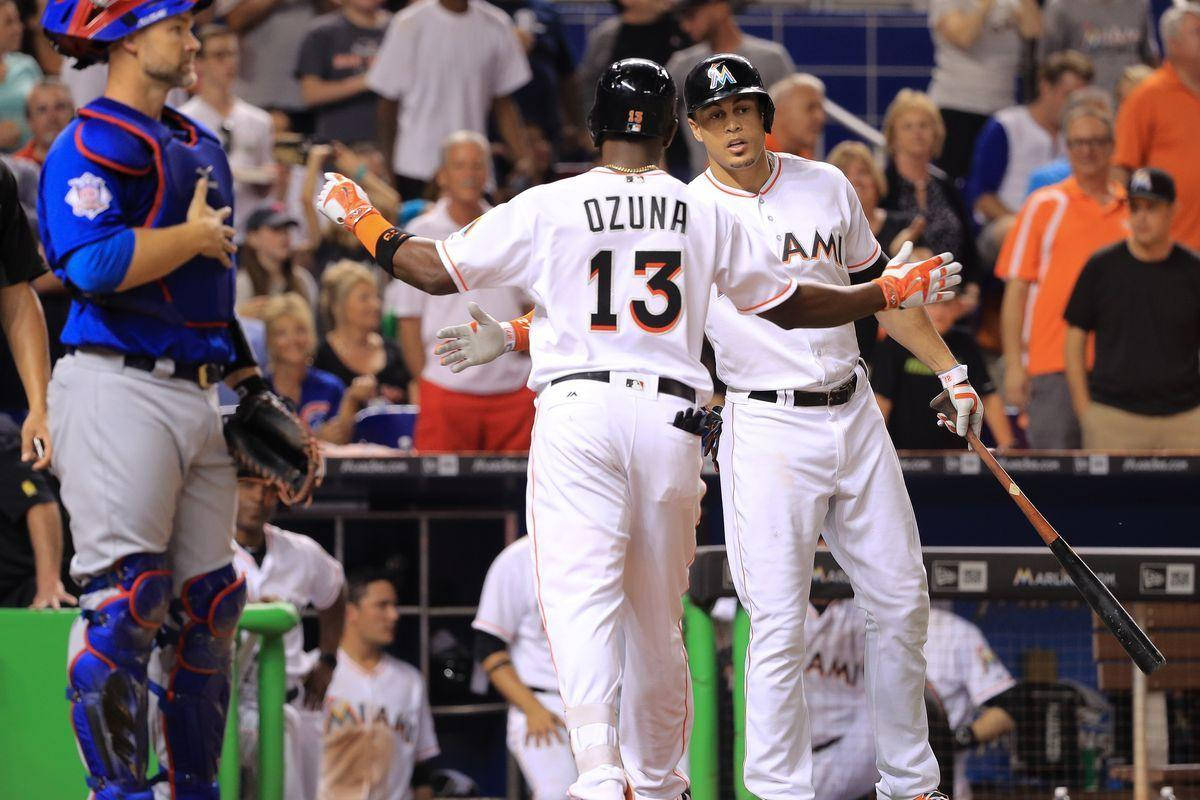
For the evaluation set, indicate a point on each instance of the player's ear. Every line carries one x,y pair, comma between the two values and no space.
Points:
695,129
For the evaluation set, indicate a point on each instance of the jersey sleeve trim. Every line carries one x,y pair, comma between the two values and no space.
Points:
493,629
771,302
981,697
450,266
866,262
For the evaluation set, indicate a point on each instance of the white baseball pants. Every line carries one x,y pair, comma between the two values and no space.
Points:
788,475
613,501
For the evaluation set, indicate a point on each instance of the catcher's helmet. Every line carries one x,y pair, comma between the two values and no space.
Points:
85,28
725,75
634,97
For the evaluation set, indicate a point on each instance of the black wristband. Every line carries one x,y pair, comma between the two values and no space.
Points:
964,736
252,384
386,246
328,659
243,355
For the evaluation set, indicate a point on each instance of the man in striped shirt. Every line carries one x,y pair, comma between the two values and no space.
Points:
1057,230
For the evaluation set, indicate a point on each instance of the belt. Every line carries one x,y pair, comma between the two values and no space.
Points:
204,374
834,397
819,747
665,385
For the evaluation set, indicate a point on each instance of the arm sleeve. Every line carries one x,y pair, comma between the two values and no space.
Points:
1020,255
387,77
505,598
313,58
18,250
1081,308
749,272
101,266
988,163
494,250
512,66
862,251
81,202
1135,122
323,573
486,644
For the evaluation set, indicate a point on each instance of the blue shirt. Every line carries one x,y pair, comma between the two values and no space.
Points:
1056,171
320,397
112,170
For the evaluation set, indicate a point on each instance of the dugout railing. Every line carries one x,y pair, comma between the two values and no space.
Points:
1003,587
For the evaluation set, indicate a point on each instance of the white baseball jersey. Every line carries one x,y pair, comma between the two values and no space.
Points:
439,311
619,267
808,213
378,726
296,570
508,610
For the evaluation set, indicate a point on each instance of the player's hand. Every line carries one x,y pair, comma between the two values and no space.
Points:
471,344
35,426
343,201
542,728
362,389
1016,385
968,410
53,596
316,683
909,284
213,237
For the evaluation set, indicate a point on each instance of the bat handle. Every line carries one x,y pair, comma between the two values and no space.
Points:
943,405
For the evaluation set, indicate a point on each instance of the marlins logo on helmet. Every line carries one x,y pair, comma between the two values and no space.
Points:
719,75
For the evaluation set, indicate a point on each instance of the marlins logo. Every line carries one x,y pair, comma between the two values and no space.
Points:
1140,182
719,75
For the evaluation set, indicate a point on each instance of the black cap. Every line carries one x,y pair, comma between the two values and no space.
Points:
269,217
1153,183
725,75
634,97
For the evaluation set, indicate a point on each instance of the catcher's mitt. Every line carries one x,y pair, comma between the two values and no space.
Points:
268,440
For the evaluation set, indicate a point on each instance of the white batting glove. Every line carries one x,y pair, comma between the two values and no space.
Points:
910,284
343,201
474,343
967,405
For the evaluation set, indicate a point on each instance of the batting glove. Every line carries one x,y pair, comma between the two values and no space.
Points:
967,405
343,201
475,343
907,285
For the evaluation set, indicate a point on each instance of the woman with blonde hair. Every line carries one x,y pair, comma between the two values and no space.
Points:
915,134
321,400
352,310
891,228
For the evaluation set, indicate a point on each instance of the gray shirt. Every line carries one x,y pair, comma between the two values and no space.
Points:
982,78
1112,33
771,58
335,48
268,54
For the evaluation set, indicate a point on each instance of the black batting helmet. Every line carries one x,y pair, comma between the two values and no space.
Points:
725,75
634,97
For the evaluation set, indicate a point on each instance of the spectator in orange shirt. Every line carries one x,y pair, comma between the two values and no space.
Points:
799,115
1057,231
1158,121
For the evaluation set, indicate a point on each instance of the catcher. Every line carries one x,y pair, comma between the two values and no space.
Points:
133,213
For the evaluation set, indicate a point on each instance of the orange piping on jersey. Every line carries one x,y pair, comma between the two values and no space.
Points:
864,262
458,275
751,309
741,192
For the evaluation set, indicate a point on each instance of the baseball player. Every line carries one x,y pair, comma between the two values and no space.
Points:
281,565
133,207
804,449
512,648
378,734
962,669
620,263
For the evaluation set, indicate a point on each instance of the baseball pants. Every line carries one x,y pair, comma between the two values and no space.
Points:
613,500
788,475
549,769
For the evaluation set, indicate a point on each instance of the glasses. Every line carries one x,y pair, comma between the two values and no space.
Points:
1095,141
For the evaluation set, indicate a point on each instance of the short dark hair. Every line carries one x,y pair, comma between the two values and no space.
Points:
212,30
1058,64
358,580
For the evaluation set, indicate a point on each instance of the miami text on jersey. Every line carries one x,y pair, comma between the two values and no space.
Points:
830,247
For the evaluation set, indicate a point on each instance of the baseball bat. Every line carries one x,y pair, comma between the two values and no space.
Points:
1114,616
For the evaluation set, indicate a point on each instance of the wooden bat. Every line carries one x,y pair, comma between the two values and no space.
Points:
1114,616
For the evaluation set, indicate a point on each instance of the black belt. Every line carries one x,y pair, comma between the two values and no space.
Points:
665,385
834,397
204,374
819,747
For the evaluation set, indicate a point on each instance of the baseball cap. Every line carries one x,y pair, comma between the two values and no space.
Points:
1153,183
269,217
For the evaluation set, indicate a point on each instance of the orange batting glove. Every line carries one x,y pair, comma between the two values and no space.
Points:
908,285
346,203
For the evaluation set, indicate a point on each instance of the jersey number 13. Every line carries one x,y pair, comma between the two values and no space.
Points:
663,266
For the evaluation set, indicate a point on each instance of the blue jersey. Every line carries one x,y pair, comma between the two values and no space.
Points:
320,397
113,169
